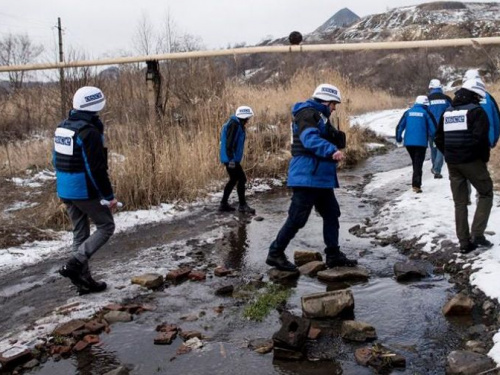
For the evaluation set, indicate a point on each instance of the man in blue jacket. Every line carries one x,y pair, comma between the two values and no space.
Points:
312,175
438,103
80,161
418,125
232,145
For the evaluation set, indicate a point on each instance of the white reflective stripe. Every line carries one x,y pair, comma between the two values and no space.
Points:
63,141
455,120
416,114
438,101
324,118
291,133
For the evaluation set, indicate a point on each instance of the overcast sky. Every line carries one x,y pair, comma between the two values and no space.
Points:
103,28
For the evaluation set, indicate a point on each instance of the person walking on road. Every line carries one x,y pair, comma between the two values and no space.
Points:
438,103
232,145
463,137
83,184
312,175
418,125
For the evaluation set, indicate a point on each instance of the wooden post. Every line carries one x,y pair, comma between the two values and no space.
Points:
153,82
61,70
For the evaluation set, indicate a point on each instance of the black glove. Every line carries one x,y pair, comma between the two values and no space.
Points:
231,165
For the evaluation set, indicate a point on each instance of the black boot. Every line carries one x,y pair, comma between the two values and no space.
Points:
281,263
481,241
245,208
93,286
339,259
226,207
73,270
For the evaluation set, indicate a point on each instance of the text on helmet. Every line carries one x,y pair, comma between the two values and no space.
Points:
330,90
91,98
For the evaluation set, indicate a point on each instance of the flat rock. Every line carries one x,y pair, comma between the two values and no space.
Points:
261,346
357,331
94,326
186,335
277,275
412,270
339,274
313,333
224,290
15,355
118,316
148,280
165,338
461,362
458,305
328,304
312,268
221,271
302,257
178,274
197,276
66,329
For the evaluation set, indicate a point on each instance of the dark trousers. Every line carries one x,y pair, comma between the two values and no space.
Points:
478,175
303,200
236,176
417,155
84,244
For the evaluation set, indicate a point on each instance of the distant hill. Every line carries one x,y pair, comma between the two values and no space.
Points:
437,20
342,18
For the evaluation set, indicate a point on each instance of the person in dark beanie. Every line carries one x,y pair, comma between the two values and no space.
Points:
232,146
418,125
438,103
312,174
80,161
462,137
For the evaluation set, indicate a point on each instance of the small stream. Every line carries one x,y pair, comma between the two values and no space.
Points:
407,316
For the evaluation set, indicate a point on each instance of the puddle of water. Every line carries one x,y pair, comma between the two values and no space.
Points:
407,317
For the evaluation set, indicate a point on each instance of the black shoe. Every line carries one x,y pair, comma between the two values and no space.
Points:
467,247
481,241
417,189
245,208
340,260
281,262
93,286
73,270
438,175
226,207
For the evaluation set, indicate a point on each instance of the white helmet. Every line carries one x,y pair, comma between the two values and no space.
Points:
475,85
244,112
327,93
89,98
471,74
422,99
435,84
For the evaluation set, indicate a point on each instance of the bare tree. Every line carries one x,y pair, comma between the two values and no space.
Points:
18,50
144,37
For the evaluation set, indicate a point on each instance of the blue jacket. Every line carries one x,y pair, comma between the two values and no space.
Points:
314,167
490,106
438,103
80,158
232,140
418,125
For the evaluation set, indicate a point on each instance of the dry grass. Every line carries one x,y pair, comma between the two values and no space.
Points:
177,158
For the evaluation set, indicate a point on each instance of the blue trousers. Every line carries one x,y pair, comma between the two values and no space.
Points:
437,158
303,200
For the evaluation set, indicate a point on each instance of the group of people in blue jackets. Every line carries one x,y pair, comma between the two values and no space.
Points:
460,131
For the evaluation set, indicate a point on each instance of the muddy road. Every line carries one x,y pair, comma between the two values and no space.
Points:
407,316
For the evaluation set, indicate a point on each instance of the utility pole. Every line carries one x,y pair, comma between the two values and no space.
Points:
61,70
